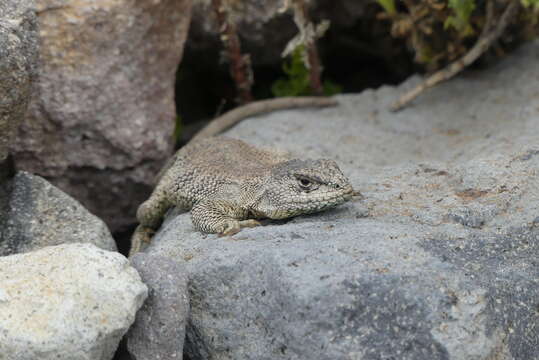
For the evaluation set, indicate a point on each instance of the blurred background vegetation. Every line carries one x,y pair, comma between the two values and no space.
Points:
391,40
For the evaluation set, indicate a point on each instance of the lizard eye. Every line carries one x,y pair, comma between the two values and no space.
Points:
304,183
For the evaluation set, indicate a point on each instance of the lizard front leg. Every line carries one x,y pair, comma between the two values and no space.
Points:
150,215
220,216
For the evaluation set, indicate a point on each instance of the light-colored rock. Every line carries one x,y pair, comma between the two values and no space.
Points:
159,329
18,61
35,214
102,120
439,261
66,302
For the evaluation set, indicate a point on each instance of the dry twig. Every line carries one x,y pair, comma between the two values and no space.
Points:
307,36
301,16
487,37
240,65
229,119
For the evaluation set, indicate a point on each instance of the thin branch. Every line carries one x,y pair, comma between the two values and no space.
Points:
315,70
240,65
303,21
485,40
489,20
234,116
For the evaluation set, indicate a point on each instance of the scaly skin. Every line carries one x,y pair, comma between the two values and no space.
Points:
228,184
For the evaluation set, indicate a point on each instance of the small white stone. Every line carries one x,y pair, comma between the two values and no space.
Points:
4,297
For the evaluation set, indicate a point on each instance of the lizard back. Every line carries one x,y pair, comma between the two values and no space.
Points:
226,158
217,167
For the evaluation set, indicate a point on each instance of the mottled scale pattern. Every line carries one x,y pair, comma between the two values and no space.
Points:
228,184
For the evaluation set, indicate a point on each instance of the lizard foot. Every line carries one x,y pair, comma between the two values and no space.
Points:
235,227
142,237
232,227
249,223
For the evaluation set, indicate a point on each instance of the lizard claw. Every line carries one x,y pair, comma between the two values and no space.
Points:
249,223
235,227
142,237
231,229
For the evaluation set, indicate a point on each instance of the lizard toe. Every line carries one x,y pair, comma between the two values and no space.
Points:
231,229
249,223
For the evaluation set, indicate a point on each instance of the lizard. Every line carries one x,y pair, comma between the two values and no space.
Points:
229,184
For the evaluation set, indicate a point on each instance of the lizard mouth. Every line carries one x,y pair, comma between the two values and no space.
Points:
313,203
330,200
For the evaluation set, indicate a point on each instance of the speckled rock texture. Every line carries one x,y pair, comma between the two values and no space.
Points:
102,120
159,329
264,28
66,302
35,214
18,62
439,261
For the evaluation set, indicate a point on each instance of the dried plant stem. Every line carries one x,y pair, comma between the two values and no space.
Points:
240,65
301,16
234,116
315,70
487,37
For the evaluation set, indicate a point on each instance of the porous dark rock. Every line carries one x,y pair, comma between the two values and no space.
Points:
18,62
439,261
159,329
35,214
101,122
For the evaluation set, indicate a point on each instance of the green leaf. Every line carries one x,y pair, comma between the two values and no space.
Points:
297,81
530,3
461,20
425,54
330,88
389,6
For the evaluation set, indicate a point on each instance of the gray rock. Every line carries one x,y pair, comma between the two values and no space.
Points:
66,302
439,261
102,120
35,214
18,61
159,329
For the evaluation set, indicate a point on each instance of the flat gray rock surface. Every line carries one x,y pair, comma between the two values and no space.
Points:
18,64
35,214
66,302
439,261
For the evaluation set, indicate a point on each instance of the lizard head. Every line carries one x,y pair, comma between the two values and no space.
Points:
298,187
